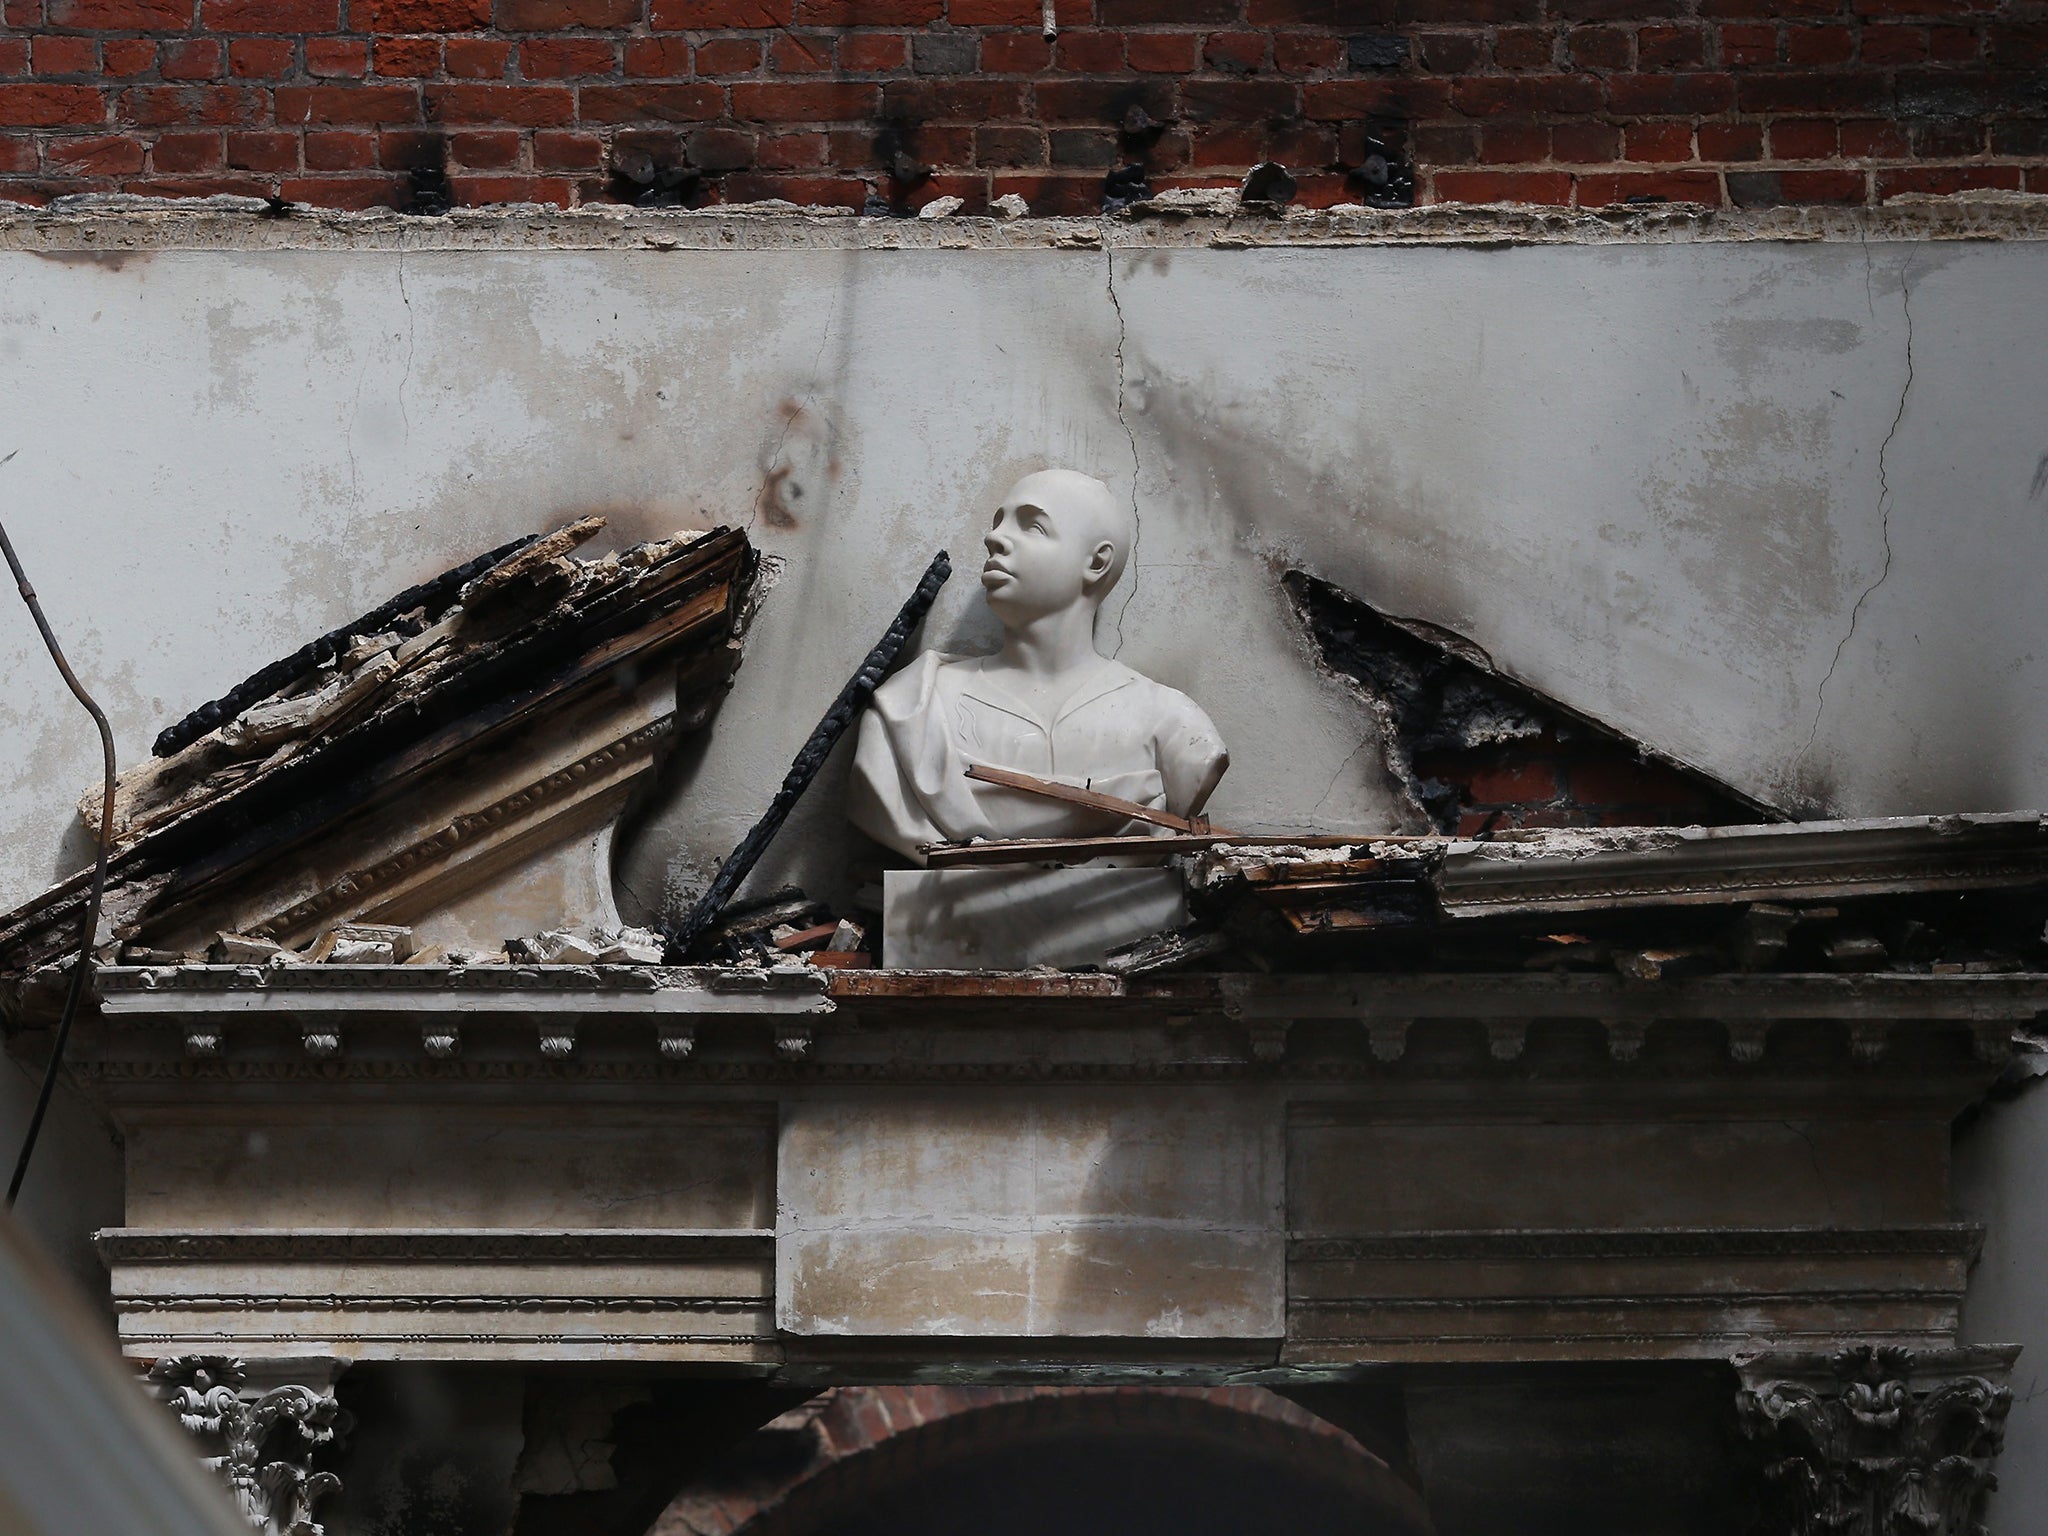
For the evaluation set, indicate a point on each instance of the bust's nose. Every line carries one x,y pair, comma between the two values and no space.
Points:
997,540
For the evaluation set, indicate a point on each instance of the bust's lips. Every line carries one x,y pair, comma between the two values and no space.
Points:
994,572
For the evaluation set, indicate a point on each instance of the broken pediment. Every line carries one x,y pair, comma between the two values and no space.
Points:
451,763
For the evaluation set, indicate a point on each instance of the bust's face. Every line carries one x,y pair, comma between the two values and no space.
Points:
1046,549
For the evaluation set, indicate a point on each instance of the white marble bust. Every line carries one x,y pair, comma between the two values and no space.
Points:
1048,703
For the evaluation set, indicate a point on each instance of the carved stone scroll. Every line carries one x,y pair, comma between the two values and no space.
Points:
1877,1440
261,1442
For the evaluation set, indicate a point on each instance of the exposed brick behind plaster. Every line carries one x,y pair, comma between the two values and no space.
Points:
1584,102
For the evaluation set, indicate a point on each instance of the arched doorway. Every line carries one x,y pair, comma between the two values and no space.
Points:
891,1461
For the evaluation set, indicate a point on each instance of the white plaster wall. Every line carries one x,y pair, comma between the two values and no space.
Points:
1778,508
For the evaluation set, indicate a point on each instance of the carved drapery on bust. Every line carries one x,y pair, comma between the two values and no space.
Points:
1048,703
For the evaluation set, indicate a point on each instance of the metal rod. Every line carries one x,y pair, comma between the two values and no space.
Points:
851,700
83,967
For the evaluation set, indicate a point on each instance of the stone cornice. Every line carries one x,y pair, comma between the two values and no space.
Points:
133,1245
1945,1241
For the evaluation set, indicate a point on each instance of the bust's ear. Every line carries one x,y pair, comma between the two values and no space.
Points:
1100,559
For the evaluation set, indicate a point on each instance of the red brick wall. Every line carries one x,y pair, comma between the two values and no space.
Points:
1590,102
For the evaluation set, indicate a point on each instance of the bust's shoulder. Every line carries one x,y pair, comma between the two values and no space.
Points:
1161,697
917,678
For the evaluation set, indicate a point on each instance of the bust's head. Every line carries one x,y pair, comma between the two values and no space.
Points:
1060,538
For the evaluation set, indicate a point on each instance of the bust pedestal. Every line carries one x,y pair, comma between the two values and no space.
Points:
1014,918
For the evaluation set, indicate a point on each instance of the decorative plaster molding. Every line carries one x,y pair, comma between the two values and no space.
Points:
1877,1440
346,1302
1952,1241
359,886
129,1245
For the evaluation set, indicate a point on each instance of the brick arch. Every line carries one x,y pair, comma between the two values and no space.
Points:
864,1448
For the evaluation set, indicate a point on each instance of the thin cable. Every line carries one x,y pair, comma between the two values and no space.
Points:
83,968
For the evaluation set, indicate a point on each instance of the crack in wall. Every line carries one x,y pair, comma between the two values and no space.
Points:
1137,522
405,378
1884,504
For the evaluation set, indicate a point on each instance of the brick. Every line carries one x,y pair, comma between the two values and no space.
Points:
476,58
790,152
948,53
728,56
1553,187
1953,45
1052,194
1346,15
1298,53
1658,142
567,57
1818,47
1615,10
484,191
375,16
650,58
563,15
868,13
1837,92
1080,148
537,106
64,56
1910,7
1519,784
790,54
556,149
2029,139
331,151
348,104
1834,186
1000,13
1770,8
1487,96
1602,189
492,149
195,105
259,58
1585,143
1947,138
805,191
972,101
1404,99
125,57
96,155
1234,53
357,192
1943,179
1009,147
25,14
121,15
1602,47
1670,95
1450,53
1514,144
17,158
1181,13
1671,47
1524,48
1436,144
710,15
2037,178
197,186
820,101
407,58
268,151
1803,139
405,149
1731,141
1746,46
1208,101
1962,92
1894,45
2017,44
183,153
270,15
13,56
1089,52
337,58
1875,139
1163,53
876,52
